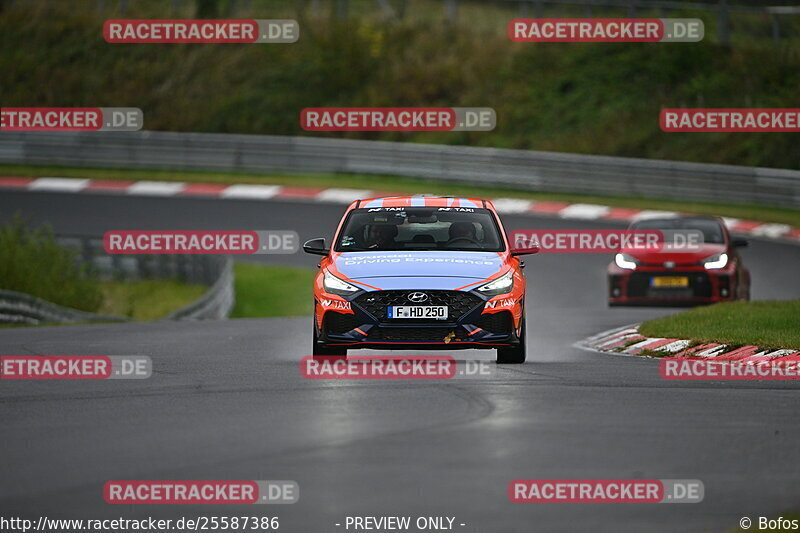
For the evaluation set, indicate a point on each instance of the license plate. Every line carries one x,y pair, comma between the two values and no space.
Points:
670,281
435,312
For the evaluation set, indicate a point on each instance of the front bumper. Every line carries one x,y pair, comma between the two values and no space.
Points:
367,325
635,287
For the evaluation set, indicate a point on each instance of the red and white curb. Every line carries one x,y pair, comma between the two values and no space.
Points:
566,210
627,341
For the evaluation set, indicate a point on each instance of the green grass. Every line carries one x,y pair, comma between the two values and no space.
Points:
272,291
766,324
595,98
147,299
396,184
33,263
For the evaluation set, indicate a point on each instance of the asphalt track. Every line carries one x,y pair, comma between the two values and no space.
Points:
227,401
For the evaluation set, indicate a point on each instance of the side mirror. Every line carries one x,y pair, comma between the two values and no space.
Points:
316,247
532,249
739,243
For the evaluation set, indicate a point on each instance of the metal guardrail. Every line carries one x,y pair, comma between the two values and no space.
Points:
204,269
21,308
217,302
212,270
518,169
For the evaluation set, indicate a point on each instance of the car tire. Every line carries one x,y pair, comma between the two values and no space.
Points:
513,355
325,351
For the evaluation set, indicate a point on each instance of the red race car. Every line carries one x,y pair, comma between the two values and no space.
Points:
711,272
419,273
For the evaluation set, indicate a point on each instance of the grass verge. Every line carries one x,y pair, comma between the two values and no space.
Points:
32,262
147,299
397,184
766,324
271,291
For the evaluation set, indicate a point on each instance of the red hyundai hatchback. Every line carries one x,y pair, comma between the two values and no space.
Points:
420,272
712,272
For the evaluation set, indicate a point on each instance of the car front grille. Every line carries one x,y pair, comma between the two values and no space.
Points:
699,286
458,303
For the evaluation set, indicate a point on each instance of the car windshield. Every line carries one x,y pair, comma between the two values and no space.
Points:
420,228
712,231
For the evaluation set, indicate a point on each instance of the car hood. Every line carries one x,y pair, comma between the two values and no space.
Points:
418,270
678,258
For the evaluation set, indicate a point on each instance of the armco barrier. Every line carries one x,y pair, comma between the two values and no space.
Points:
217,302
201,268
20,308
520,169
212,270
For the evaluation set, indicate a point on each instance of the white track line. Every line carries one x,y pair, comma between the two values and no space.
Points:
257,192
584,211
771,230
650,213
730,222
774,231
59,184
511,205
342,196
155,188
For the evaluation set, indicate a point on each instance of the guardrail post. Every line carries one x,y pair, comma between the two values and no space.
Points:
116,267
451,10
182,270
150,264
204,273
523,9
386,7
632,9
341,9
587,11
199,270
212,269
168,267
539,11
776,29
723,23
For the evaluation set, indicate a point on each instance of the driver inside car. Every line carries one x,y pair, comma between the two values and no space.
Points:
381,236
462,233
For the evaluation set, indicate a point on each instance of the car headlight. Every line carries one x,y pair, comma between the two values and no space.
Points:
716,261
625,261
334,285
500,285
